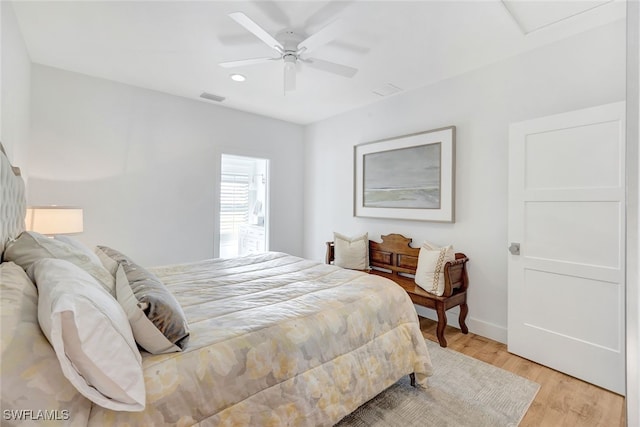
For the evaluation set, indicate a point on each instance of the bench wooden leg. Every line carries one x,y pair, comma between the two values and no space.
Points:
464,310
412,378
442,324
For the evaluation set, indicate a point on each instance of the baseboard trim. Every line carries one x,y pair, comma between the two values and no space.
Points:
476,326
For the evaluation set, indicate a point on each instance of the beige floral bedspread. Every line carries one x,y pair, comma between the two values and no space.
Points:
277,340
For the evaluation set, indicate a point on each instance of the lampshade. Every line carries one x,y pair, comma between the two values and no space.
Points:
51,220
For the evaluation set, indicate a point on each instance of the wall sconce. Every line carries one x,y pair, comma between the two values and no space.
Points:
52,220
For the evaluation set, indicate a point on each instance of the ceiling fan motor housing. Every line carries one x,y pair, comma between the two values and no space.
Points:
289,39
290,57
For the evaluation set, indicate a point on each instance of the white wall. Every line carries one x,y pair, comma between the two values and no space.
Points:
585,70
145,166
15,69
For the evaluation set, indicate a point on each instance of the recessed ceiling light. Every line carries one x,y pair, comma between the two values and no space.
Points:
238,77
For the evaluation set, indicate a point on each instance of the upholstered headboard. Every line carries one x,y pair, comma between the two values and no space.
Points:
13,203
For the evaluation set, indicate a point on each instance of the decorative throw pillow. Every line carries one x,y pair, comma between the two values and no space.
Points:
30,247
90,334
107,262
31,375
146,334
157,320
430,270
351,252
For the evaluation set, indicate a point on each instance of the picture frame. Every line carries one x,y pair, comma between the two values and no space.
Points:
408,177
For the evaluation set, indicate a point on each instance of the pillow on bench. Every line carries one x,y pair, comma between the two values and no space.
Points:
430,270
351,252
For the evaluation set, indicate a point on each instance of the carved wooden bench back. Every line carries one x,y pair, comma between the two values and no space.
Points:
394,253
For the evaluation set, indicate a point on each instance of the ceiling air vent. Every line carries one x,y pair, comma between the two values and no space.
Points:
212,97
387,90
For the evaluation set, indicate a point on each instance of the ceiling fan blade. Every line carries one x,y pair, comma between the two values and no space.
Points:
326,12
323,36
273,11
243,62
351,47
245,38
331,67
256,30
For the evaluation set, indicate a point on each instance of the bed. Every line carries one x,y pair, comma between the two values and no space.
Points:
274,339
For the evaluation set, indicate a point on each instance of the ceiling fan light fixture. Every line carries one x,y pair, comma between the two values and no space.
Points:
289,73
237,77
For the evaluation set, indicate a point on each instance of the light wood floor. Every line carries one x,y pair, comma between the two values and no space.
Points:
561,401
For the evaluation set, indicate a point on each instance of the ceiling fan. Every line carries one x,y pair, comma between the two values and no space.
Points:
291,48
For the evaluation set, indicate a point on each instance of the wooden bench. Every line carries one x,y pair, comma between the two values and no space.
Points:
395,259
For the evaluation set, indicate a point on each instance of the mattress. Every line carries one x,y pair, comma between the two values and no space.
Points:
277,340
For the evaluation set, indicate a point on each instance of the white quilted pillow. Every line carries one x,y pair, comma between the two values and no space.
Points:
430,271
351,252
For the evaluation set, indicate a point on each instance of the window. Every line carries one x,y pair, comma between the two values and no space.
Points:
243,203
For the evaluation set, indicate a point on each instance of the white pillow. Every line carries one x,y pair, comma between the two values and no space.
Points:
430,271
351,252
90,334
144,331
30,247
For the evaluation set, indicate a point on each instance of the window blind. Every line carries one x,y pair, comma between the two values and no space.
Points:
234,202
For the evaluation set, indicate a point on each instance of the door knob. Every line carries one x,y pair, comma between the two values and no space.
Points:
514,248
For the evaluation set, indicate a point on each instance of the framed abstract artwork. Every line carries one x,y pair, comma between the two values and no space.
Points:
406,177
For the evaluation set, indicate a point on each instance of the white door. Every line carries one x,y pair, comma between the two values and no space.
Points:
567,214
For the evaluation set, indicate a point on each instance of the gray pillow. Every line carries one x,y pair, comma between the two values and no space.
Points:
155,301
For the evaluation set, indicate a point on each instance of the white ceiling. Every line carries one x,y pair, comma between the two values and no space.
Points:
175,46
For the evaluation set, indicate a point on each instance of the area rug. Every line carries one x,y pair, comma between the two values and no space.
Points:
462,392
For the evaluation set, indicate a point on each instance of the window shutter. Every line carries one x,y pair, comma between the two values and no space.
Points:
234,202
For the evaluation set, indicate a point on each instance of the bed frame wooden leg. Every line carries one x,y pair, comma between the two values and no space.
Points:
412,378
